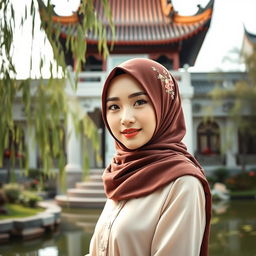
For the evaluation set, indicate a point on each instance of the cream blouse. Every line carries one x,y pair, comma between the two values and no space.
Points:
168,222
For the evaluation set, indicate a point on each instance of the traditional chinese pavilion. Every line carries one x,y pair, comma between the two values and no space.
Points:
151,27
251,37
249,42
145,28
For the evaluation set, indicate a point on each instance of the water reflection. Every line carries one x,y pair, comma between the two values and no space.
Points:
53,251
233,229
70,239
233,232
220,207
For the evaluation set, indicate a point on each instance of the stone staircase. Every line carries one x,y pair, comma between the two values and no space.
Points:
88,194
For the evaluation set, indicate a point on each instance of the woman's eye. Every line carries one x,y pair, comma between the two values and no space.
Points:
113,107
140,102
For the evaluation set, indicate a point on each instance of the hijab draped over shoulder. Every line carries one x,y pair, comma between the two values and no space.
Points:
136,173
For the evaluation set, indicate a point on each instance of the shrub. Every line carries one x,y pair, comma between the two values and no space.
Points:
12,192
34,173
38,180
242,181
220,175
29,198
2,202
211,180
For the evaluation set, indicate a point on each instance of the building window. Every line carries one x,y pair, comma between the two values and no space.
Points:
247,143
92,64
208,134
167,63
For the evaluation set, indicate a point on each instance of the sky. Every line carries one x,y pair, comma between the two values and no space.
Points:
224,36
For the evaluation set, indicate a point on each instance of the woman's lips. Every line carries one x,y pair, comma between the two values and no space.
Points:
128,133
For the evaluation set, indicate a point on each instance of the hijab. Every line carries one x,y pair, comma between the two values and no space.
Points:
139,172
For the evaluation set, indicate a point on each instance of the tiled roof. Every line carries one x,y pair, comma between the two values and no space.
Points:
139,22
251,37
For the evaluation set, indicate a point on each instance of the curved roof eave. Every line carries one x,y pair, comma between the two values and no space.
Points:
251,36
205,13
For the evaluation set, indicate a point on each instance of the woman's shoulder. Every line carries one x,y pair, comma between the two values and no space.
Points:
186,185
186,190
188,180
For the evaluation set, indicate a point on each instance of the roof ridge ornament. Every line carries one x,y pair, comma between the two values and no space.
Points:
167,7
202,14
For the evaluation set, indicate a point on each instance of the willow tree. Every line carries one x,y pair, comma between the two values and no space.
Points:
242,98
46,106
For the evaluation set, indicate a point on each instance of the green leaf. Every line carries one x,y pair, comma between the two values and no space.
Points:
45,103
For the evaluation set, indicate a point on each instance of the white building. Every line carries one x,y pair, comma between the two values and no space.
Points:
174,41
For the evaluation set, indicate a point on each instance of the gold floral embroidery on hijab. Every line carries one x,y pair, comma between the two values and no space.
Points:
166,81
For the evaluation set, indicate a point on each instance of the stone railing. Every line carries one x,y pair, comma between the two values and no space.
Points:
89,84
210,160
248,159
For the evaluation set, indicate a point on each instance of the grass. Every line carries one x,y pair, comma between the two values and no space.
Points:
243,193
19,211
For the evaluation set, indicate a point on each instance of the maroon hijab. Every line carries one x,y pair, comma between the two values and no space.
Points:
136,173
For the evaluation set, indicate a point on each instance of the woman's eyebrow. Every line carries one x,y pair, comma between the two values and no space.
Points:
112,99
136,94
130,96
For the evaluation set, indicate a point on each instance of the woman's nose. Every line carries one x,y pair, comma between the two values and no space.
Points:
127,117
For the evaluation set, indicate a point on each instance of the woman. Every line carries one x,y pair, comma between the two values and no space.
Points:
159,201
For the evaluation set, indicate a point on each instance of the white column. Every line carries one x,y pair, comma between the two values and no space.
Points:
110,148
188,139
231,144
73,168
187,92
30,138
73,147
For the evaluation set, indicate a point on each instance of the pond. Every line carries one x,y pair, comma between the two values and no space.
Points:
233,232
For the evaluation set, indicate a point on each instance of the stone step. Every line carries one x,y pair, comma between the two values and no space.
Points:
96,172
89,185
95,178
80,202
78,192
4,237
86,194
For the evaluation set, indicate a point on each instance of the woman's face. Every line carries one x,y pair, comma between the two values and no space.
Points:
129,112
